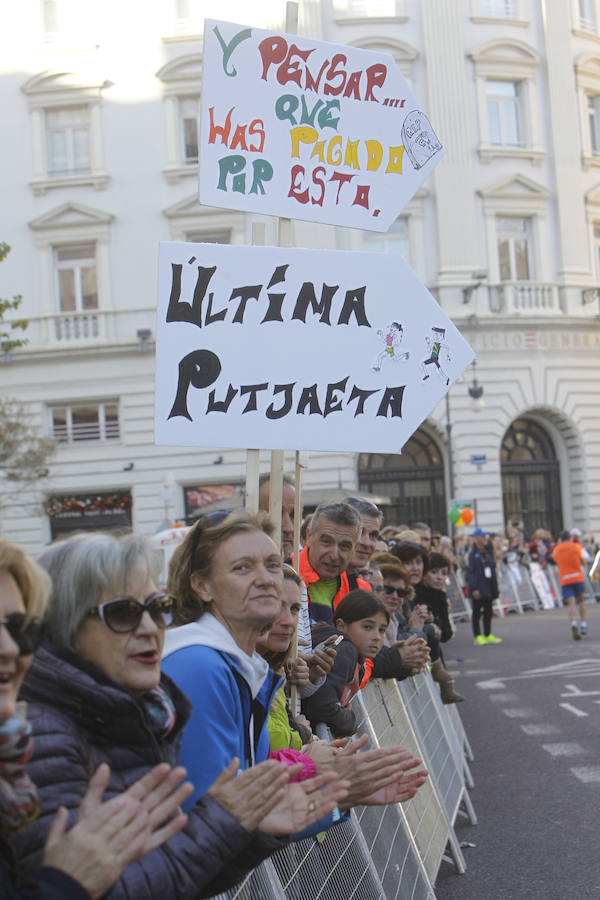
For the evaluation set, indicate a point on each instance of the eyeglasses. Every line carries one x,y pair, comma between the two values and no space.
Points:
400,592
377,589
124,614
24,631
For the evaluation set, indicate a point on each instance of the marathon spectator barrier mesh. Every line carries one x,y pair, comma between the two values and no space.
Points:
517,591
460,605
382,852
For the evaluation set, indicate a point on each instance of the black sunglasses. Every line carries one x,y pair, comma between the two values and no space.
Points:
401,592
125,613
24,631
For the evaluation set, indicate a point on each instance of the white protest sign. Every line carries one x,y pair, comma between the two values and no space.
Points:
308,130
282,348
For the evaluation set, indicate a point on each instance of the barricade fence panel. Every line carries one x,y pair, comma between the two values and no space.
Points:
391,852
426,818
460,607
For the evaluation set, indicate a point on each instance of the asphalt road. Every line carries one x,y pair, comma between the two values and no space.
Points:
532,716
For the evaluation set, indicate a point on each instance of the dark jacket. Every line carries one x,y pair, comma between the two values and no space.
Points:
43,883
438,604
479,561
81,718
325,705
388,664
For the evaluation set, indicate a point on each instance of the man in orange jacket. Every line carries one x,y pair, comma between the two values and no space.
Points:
567,555
331,537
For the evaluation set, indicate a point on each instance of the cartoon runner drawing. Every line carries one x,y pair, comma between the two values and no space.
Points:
392,335
435,345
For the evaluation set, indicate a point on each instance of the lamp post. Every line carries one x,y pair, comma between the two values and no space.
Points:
476,395
476,391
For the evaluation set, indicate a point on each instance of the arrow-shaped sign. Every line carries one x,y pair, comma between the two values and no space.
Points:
308,130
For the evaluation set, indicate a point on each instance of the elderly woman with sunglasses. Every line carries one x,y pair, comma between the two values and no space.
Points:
96,694
85,861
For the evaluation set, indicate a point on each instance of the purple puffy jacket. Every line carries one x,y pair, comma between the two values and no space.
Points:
81,718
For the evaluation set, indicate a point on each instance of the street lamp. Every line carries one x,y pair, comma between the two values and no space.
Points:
476,392
476,395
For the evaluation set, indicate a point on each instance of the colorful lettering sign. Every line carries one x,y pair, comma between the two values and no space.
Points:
308,130
281,348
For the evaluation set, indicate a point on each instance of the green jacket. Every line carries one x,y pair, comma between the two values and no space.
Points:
281,735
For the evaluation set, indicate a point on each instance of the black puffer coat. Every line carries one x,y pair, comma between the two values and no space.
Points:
81,718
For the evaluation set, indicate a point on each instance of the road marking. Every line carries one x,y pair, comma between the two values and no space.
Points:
503,698
573,691
587,774
578,668
573,709
537,730
567,749
519,713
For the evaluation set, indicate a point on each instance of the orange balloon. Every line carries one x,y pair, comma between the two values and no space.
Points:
467,515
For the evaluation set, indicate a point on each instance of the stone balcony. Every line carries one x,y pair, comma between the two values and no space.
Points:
526,298
92,328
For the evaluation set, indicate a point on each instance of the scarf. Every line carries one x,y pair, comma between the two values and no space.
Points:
161,711
18,794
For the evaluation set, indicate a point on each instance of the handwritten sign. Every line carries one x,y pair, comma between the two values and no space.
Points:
280,348
308,130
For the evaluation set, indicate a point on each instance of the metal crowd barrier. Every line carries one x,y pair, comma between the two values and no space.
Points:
517,591
460,605
390,852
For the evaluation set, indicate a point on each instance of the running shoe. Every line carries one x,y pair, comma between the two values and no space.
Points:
492,639
480,640
575,632
583,629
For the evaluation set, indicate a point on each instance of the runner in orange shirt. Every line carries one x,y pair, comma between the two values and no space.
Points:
567,555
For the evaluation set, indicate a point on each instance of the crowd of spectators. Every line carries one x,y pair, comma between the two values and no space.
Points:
164,740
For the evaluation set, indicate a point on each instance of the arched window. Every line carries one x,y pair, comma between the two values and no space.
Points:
531,478
414,482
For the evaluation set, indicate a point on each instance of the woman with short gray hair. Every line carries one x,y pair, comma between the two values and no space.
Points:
96,694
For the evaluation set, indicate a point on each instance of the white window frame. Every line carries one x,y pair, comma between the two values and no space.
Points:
69,131
585,18
390,240
596,249
181,80
485,12
528,243
515,61
587,76
360,12
592,211
66,226
68,408
353,239
53,91
50,36
188,217
74,264
193,23
521,198
505,105
404,54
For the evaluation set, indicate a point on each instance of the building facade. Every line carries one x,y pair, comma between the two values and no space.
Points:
100,106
